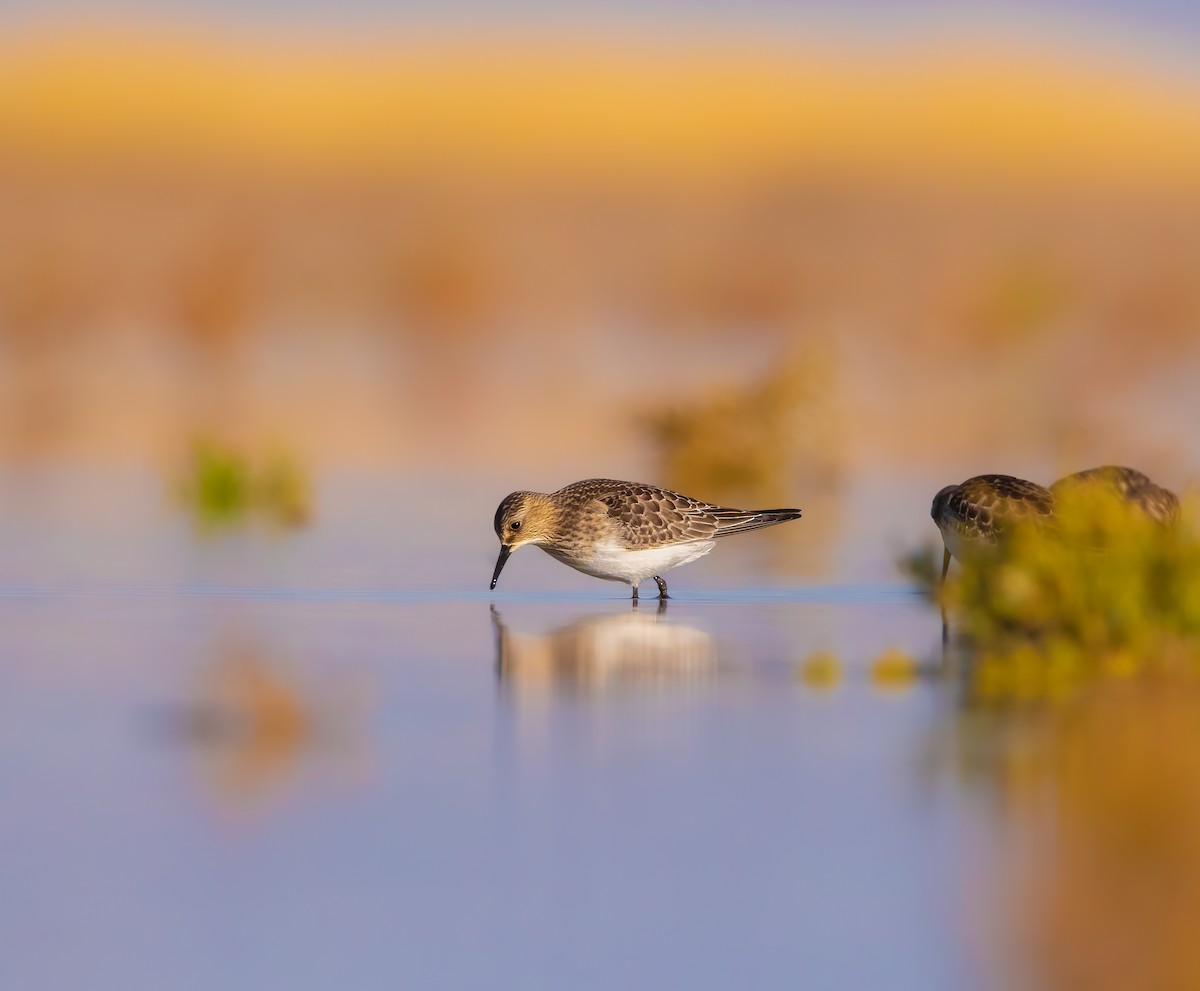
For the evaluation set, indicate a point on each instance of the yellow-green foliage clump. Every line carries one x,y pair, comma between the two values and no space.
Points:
1110,593
820,671
222,487
752,441
894,669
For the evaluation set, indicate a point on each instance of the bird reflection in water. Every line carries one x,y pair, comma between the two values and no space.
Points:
602,653
255,728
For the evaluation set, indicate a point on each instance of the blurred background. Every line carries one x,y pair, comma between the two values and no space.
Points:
292,295
540,243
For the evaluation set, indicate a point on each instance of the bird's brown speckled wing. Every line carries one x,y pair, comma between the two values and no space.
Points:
1159,504
1124,481
990,504
649,516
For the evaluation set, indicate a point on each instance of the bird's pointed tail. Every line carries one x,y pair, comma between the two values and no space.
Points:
738,520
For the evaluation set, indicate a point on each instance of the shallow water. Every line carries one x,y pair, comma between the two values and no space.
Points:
337,760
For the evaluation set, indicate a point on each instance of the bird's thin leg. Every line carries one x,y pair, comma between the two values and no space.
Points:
635,597
662,588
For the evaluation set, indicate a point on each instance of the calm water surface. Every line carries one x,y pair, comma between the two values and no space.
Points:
336,760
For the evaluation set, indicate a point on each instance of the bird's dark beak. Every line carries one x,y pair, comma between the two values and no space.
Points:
505,550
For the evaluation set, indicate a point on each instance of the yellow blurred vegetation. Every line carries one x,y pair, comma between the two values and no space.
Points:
1110,595
820,671
757,442
222,487
894,670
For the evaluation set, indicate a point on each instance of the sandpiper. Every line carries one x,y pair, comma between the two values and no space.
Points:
621,531
1158,504
979,511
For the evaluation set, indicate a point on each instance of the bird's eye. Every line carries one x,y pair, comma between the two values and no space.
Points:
515,525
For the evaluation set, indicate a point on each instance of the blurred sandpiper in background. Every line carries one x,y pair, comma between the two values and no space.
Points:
292,295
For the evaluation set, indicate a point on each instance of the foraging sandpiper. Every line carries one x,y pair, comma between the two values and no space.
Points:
979,511
1156,503
621,531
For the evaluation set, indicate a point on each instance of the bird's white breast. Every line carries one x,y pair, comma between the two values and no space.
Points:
612,560
958,543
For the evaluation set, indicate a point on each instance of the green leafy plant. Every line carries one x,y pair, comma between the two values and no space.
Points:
222,487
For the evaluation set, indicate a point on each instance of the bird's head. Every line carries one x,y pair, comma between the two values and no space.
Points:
940,503
523,518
